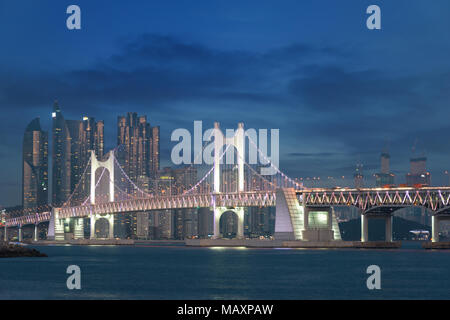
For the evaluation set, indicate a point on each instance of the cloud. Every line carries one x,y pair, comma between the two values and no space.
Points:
327,108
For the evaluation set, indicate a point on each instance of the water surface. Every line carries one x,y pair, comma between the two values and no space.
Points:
146,272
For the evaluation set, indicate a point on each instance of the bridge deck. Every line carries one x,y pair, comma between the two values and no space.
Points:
436,199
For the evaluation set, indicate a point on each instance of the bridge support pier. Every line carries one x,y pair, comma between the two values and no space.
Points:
35,233
290,215
435,228
216,224
95,217
240,230
364,228
20,234
218,211
59,227
388,228
93,220
78,232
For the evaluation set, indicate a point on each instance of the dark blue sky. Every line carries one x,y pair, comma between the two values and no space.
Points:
336,90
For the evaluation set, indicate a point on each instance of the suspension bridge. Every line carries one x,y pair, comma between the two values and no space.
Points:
305,214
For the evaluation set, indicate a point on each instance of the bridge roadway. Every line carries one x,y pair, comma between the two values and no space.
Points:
372,202
369,200
242,199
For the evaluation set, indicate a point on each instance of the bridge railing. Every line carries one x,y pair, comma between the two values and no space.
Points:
259,198
28,219
436,199
433,198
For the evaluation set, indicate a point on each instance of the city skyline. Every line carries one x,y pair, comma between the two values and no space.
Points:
268,77
76,141
94,141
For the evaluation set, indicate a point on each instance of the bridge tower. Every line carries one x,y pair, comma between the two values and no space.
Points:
96,164
108,165
237,141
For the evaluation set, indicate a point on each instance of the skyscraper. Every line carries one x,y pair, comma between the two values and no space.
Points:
139,153
358,176
72,142
184,179
138,156
154,155
60,158
85,135
385,177
418,174
35,166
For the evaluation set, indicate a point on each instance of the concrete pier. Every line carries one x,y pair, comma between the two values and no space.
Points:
109,217
436,245
364,228
35,233
435,228
388,229
78,232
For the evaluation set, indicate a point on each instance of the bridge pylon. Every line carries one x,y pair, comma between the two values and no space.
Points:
108,165
237,141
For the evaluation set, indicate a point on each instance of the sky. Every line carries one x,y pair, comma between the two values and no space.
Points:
338,92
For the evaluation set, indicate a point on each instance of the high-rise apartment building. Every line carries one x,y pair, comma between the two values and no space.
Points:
154,155
205,222
60,158
35,166
139,146
141,227
418,174
138,155
385,177
185,221
176,223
